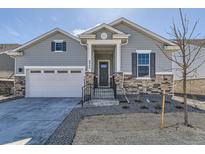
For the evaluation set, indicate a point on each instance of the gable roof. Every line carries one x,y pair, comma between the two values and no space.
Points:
45,35
102,26
142,29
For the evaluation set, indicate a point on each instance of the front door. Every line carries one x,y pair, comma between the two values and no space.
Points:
103,73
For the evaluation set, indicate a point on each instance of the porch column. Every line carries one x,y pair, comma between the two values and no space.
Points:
89,56
118,57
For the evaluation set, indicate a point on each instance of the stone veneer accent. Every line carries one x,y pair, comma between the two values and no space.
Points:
19,86
194,86
148,86
89,78
6,87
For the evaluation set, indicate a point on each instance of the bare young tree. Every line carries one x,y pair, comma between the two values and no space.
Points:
186,58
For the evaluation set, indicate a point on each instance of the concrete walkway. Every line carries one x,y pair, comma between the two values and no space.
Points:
32,120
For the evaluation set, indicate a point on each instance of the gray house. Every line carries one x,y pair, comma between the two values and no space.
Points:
196,79
58,64
6,62
6,69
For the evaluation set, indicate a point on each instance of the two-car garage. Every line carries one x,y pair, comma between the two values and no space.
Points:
54,81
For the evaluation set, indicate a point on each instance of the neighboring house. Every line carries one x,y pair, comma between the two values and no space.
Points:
6,62
6,69
58,64
196,80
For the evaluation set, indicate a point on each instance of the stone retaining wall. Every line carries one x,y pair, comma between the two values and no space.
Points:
147,86
194,86
89,78
19,86
6,87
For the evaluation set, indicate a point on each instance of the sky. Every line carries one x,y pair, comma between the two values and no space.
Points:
22,25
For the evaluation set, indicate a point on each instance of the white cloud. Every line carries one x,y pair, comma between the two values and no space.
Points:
11,31
79,31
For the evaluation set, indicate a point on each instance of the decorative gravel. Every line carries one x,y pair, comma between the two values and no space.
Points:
65,133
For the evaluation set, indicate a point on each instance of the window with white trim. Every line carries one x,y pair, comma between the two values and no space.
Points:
143,65
58,46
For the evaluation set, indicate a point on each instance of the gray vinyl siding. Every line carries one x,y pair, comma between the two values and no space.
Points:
98,34
40,54
139,41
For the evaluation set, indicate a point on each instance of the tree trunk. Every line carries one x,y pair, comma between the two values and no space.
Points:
185,99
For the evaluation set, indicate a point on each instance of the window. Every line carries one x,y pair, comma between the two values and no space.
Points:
36,71
49,71
75,71
143,64
58,46
62,71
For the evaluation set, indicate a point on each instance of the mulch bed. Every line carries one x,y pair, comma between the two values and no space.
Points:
65,133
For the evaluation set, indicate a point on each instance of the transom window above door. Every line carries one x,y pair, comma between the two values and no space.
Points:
143,64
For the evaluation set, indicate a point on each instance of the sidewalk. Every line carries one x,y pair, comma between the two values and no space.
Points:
191,102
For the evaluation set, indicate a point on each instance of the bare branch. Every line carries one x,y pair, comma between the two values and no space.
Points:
194,69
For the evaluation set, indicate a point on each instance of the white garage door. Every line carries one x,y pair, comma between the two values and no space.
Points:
54,82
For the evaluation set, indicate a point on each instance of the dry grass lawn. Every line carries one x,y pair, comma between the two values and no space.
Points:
141,128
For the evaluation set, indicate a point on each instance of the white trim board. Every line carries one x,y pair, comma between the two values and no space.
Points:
164,73
143,51
160,73
50,67
103,26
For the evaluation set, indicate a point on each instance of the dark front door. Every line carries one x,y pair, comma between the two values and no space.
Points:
103,74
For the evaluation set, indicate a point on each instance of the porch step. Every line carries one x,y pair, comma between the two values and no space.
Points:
103,93
102,102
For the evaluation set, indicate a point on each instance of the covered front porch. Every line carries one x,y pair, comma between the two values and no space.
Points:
103,64
103,45
103,60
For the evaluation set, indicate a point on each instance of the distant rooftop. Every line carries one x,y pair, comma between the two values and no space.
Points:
5,47
198,42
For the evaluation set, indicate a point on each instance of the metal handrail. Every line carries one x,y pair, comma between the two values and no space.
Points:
114,86
87,93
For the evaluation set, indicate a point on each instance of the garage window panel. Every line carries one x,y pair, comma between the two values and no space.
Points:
62,71
75,71
35,71
49,71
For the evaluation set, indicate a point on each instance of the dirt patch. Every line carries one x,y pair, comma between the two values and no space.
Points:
141,128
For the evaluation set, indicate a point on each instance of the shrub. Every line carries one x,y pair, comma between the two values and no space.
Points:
125,107
138,101
179,107
158,107
144,107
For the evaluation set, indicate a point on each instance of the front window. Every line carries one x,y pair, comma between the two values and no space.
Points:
58,46
143,64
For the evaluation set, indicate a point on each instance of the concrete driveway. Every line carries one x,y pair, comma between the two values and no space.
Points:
32,120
